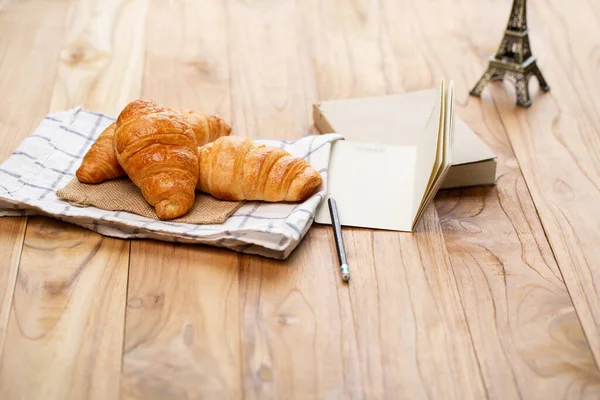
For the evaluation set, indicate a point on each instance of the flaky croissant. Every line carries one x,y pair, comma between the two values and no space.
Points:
100,163
207,128
234,168
159,152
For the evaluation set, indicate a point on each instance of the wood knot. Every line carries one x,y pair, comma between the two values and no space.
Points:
201,66
563,189
80,53
265,374
48,230
206,69
188,335
148,301
56,287
287,319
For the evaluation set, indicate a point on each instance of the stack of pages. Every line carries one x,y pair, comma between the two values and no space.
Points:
386,179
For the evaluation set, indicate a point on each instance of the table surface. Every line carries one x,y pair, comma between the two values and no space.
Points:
495,296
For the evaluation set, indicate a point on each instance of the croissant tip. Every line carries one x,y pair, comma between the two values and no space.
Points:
166,209
84,176
310,181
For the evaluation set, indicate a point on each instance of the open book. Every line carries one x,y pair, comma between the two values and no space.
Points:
391,118
388,186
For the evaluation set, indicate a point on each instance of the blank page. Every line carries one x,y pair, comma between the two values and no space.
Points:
372,185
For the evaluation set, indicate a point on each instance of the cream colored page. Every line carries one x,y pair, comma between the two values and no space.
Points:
389,119
372,185
428,152
445,148
439,154
393,118
468,147
448,118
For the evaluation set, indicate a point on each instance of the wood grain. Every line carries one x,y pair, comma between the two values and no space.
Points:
367,326
501,259
403,291
556,145
406,49
71,290
67,315
182,306
484,301
29,32
12,231
295,345
272,82
409,322
182,337
102,59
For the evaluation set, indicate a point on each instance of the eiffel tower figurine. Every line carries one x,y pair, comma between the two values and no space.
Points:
514,59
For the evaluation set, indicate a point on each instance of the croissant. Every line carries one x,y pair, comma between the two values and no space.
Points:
159,152
207,128
234,168
100,163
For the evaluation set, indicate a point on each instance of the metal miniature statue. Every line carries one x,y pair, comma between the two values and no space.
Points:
514,59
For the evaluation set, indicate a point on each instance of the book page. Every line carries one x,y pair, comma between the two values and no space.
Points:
429,152
372,185
392,119
448,117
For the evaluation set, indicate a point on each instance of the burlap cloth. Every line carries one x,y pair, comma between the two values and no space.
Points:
122,195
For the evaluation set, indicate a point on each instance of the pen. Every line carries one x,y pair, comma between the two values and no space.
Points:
339,240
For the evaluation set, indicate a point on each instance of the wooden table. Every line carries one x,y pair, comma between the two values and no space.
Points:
496,295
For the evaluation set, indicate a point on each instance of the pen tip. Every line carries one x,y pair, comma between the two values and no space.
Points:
345,272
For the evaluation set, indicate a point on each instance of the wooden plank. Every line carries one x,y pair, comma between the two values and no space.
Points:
295,344
29,32
528,338
272,93
182,331
69,303
301,340
556,145
63,336
182,335
12,231
414,335
102,60
409,302
515,299
407,51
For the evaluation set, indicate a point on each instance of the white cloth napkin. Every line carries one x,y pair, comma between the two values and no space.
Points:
47,160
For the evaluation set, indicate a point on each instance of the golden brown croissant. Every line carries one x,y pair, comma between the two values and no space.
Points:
159,152
234,168
100,162
207,128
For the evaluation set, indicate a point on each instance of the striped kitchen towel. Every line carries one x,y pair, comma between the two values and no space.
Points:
48,158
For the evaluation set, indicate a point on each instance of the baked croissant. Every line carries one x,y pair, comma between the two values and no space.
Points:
100,163
207,128
159,152
234,168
